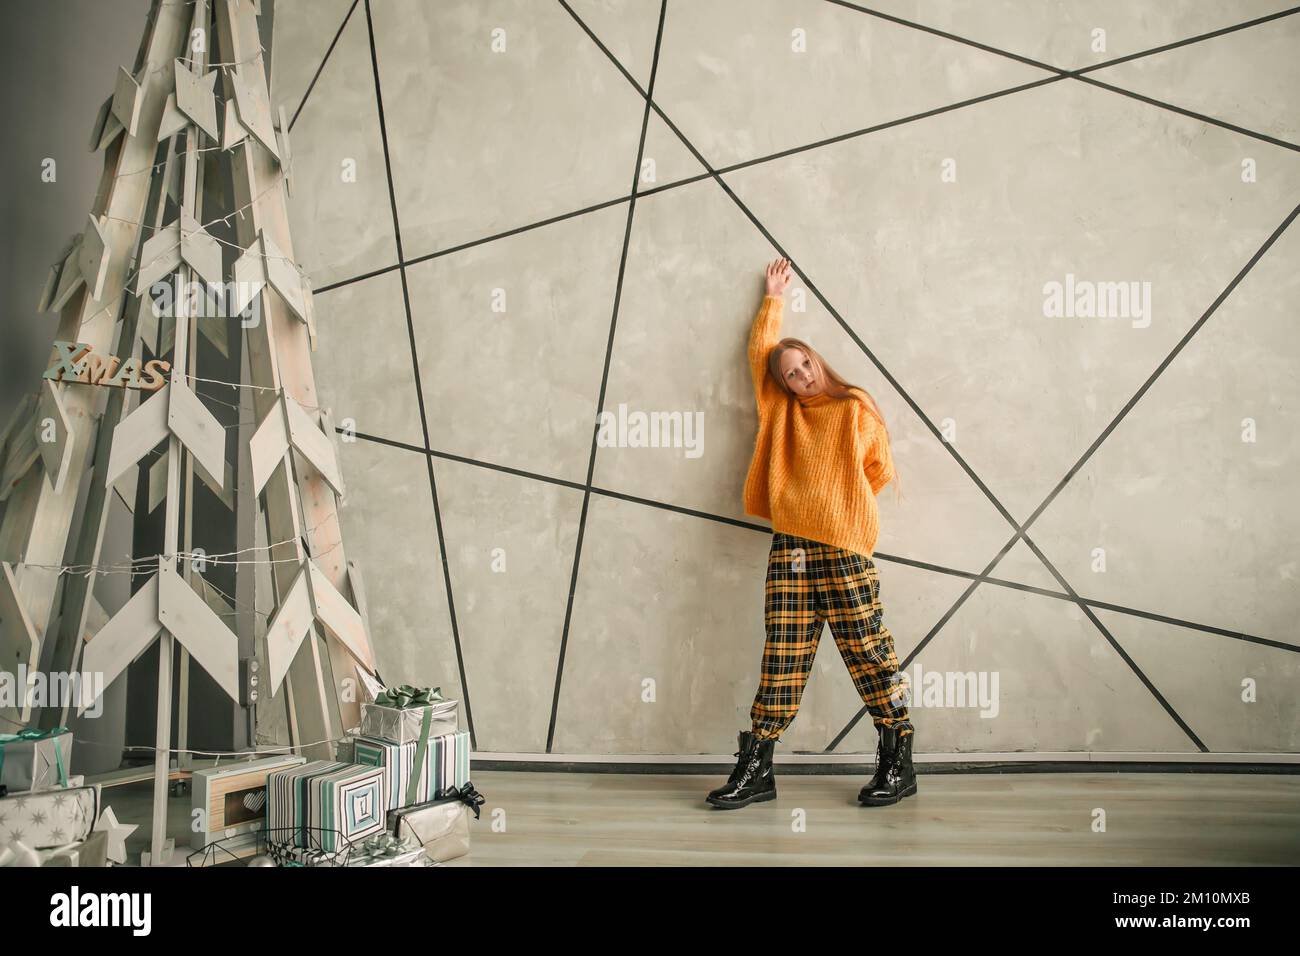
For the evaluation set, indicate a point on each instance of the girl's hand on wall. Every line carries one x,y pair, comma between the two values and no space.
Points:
778,277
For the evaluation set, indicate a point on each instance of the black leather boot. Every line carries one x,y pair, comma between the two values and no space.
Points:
895,777
752,779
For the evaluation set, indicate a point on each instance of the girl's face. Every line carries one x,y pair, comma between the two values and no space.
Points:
799,374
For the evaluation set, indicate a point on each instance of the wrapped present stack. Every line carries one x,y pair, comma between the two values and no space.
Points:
412,733
400,781
47,816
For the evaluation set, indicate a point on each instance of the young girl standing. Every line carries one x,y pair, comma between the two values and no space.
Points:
821,456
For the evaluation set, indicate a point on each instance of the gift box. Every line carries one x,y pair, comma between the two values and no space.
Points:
92,851
402,725
313,804
414,772
47,819
387,850
230,799
286,854
35,759
379,850
440,826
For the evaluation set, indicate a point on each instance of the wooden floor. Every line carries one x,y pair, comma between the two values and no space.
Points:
1007,819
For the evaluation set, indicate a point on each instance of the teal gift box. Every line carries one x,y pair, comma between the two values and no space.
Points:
314,804
415,773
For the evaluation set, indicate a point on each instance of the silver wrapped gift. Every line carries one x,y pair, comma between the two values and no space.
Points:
92,851
440,826
403,725
35,759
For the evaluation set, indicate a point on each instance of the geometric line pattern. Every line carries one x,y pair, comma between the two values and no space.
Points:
1058,74
419,390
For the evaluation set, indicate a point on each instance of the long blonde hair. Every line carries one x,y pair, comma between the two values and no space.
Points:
836,386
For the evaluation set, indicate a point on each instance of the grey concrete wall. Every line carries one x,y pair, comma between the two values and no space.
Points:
1097,511
59,61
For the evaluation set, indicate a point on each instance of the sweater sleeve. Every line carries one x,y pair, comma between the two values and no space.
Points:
766,332
878,463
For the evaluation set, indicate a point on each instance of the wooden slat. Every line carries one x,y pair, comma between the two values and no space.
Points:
198,429
340,617
139,433
314,444
192,622
123,639
19,639
268,447
291,623
56,455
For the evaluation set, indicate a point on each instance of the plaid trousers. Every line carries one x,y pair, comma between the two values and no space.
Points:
809,582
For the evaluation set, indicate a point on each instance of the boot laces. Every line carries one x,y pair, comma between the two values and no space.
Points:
886,761
749,768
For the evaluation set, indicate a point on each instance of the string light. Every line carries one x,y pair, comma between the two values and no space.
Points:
147,563
252,751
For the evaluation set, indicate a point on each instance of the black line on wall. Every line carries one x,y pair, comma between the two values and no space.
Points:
1194,115
1200,37
878,555
604,380
316,76
353,280
677,184
1020,532
1060,74
1163,48
1097,442
1079,73
419,389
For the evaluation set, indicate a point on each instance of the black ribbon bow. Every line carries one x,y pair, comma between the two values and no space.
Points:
466,795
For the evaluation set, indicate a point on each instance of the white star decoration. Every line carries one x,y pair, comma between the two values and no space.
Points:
117,834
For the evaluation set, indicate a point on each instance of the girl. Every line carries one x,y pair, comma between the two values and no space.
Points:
821,456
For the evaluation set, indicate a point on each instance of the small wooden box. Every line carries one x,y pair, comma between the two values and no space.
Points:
224,794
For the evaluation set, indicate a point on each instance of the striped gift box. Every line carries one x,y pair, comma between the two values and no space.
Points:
446,764
346,798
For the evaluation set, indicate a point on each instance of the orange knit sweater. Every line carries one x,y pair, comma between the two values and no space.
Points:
818,462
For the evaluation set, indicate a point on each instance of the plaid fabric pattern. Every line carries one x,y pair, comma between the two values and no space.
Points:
809,583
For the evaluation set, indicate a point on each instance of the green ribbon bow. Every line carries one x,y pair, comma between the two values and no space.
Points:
32,733
381,846
405,696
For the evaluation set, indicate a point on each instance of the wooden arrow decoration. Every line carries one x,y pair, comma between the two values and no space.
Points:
165,601
20,642
184,241
263,264
173,409
288,424
312,598
196,98
40,431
